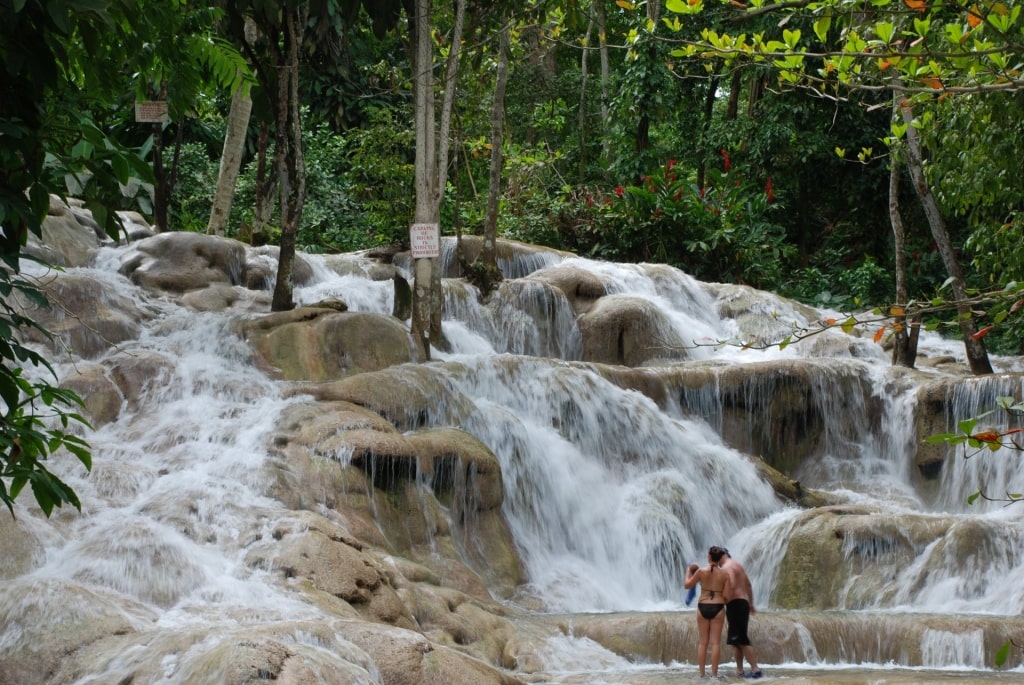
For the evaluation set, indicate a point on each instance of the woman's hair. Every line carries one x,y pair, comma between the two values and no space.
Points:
716,553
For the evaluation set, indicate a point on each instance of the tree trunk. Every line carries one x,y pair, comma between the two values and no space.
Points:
426,151
904,349
443,142
161,193
582,114
732,111
266,184
488,254
602,42
230,160
709,111
977,356
291,167
431,166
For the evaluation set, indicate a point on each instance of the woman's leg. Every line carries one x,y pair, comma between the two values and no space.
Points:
703,632
715,637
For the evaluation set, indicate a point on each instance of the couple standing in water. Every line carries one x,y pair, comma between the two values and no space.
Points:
725,592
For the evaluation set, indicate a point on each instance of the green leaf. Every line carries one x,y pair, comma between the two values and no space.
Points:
967,426
821,27
941,437
1003,653
973,498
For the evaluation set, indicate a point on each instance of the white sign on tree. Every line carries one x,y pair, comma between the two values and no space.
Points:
425,240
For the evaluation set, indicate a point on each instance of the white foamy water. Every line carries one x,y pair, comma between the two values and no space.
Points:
607,494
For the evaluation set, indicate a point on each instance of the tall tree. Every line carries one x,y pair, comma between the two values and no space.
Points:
433,141
273,51
914,49
488,254
237,126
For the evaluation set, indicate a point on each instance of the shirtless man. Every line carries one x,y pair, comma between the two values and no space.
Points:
739,605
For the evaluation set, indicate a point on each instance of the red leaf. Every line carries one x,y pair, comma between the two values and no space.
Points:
982,333
879,333
988,436
916,5
1016,305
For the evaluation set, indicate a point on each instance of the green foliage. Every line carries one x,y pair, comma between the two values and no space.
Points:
35,416
990,438
63,60
720,232
381,168
836,282
332,221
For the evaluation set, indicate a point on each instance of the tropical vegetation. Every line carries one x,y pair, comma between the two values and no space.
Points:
853,155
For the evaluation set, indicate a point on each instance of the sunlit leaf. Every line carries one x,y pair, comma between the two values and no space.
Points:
625,5
974,17
879,334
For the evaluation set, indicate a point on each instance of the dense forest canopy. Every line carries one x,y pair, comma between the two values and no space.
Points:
751,142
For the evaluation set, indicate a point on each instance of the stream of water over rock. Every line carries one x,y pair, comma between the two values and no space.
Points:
608,493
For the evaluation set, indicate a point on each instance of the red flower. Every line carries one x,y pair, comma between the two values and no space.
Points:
726,162
769,190
702,191
668,167
619,190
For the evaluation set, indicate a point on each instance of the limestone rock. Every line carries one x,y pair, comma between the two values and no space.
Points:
629,331
407,658
581,287
408,396
177,262
321,344
85,317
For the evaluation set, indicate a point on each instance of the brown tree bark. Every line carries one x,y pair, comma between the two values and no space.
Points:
906,329
488,254
977,355
288,158
230,161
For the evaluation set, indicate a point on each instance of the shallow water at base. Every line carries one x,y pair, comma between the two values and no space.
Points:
791,675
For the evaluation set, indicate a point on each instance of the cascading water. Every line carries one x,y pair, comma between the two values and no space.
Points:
608,493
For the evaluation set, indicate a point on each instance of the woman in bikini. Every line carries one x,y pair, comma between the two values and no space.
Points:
714,586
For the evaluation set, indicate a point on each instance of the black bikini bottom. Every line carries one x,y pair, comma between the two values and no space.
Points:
709,611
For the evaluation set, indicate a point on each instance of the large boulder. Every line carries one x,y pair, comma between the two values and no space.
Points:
630,331
437,493
320,343
582,288
68,237
85,317
179,262
331,568
408,396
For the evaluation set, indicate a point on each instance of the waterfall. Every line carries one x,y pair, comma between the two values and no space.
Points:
614,479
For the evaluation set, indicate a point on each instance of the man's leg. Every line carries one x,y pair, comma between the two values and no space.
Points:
748,652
